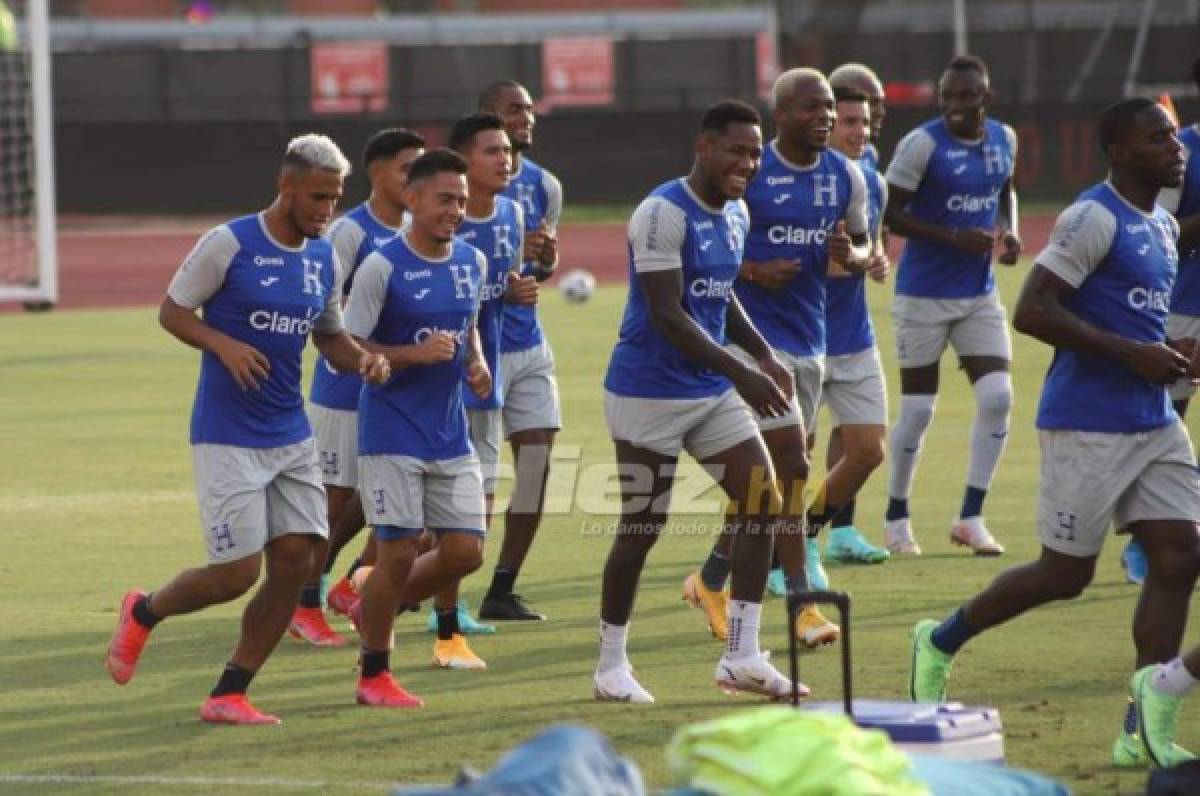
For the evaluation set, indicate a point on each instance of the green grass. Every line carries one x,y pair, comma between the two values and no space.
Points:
95,496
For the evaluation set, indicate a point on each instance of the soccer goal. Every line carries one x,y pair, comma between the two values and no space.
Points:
28,254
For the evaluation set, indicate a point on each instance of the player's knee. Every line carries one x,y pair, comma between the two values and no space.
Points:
994,394
1180,565
462,559
867,454
916,413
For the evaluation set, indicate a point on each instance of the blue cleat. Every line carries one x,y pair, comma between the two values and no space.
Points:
1133,561
467,624
847,544
818,580
777,583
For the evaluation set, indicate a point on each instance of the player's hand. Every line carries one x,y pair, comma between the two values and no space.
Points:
1159,363
1190,348
1011,249
248,366
761,393
879,266
838,244
374,368
535,244
972,240
521,289
779,374
549,256
774,274
437,347
479,378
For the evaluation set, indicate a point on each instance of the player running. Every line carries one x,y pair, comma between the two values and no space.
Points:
263,282
1098,294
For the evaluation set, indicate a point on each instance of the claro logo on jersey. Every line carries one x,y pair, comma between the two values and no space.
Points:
491,292
1144,298
709,287
277,322
965,203
422,334
796,236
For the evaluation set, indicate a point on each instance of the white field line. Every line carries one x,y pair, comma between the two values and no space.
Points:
149,779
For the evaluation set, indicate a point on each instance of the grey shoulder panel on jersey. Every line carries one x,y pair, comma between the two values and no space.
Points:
203,270
656,233
346,236
1081,239
368,295
910,160
554,200
856,210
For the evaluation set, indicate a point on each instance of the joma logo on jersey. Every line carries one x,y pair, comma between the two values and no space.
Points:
1144,298
711,288
965,203
279,323
422,334
796,236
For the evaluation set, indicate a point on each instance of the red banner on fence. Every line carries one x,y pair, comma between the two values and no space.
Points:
577,71
349,77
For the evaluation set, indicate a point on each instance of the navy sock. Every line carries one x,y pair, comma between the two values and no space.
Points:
951,634
375,662
234,680
143,615
972,505
715,571
447,623
503,580
310,596
844,518
897,509
1130,723
798,582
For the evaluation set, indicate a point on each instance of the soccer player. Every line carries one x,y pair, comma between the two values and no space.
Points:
264,282
333,407
1184,321
672,385
860,77
854,385
807,208
1156,692
531,412
415,300
493,224
950,193
1098,294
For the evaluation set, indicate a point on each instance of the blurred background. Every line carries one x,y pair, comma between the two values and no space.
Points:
184,107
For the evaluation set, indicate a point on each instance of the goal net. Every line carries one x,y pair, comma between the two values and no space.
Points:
28,262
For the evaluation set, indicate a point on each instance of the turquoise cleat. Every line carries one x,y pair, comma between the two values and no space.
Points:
818,579
777,583
467,624
847,544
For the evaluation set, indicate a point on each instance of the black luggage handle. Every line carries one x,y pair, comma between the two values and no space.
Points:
842,600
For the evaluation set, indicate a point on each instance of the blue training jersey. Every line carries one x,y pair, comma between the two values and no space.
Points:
499,238
1186,298
955,184
1122,265
269,296
870,158
792,211
355,235
540,196
848,328
400,298
673,229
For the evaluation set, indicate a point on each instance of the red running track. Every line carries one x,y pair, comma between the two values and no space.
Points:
128,262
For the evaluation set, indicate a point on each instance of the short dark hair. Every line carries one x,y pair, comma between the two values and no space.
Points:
389,142
721,114
968,63
1116,119
434,162
462,134
848,94
491,93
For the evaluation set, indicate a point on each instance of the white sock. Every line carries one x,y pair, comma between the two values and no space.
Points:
612,646
993,404
1173,678
916,413
744,619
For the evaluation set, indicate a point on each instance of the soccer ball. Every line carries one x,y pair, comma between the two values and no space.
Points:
577,286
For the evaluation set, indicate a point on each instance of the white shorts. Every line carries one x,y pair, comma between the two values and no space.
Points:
336,434
854,389
249,496
1091,481
530,391
1179,326
808,373
485,438
703,427
412,495
975,327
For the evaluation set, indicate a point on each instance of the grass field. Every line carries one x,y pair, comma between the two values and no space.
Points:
95,497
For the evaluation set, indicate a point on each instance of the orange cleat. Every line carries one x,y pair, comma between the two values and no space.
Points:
128,640
341,597
234,709
308,624
382,691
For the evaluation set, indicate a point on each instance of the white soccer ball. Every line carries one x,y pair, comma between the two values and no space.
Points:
577,286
